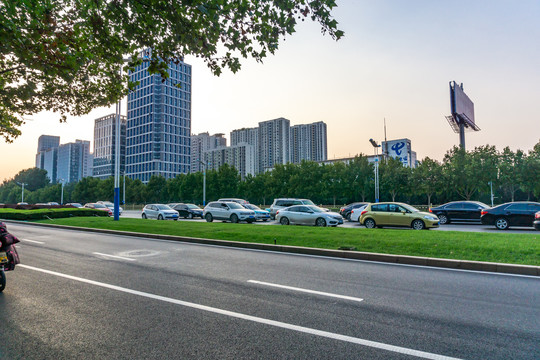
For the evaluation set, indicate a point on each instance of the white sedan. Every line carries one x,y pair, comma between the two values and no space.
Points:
160,212
308,215
355,213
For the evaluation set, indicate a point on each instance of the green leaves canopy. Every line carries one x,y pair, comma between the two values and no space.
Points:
66,55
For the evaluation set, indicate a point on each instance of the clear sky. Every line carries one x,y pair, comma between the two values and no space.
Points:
395,62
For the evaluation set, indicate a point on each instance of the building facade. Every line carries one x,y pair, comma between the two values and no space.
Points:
74,161
46,156
240,156
105,146
308,142
247,136
273,143
158,131
201,143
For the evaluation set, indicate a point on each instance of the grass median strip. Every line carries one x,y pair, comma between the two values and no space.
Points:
500,247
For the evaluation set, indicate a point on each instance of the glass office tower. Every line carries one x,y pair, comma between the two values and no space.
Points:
159,123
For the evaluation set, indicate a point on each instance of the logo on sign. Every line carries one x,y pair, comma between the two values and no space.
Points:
397,147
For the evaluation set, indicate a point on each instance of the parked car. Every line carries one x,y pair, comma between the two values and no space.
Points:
187,211
260,214
518,213
465,211
345,211
52,203
75,205
228,211
110,205
98,207
308,215
397,214
283,203
536,222
355,213
159,211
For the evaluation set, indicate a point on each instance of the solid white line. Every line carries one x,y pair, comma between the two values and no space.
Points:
279,324
114,256
306,290
33,241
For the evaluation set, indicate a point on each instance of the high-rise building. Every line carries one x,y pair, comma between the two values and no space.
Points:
158,128
248,136
273,143
308,142
46,156
105,146
74,161
240,156
201,143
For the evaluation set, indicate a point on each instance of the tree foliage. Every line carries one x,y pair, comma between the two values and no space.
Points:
66,55
461,175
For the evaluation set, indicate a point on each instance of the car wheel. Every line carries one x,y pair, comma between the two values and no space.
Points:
284,221
369,223
209,217
175,219
501,223
320,222
443,219
144,216
190,216
418,224
349,217
234,218
265,220
160,217
250,221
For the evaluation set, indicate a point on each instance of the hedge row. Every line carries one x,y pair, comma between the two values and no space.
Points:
40,214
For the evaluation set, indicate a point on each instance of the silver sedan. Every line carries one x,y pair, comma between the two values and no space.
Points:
308,215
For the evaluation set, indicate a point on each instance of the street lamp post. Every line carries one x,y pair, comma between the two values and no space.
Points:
204,180
22,193
62,192
376,147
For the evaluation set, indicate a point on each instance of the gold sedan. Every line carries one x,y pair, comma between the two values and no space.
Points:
397,214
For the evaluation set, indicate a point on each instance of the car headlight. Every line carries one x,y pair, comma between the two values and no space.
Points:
432,218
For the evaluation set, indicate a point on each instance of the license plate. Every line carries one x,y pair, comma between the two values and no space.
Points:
3,258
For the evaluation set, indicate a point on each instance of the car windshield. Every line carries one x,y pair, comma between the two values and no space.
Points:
308,202
192,206
99,206
107,203
163,207
235,206
315,208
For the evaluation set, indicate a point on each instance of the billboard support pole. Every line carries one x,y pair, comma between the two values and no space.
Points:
462,135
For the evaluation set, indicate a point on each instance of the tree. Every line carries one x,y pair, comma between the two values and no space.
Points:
394,177
34,178
510,168
66,55
459,172
427,178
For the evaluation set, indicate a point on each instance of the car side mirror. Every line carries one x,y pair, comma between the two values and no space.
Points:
403,212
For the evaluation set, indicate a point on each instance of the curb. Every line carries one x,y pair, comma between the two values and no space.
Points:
355,255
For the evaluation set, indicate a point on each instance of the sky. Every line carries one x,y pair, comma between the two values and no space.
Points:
394,63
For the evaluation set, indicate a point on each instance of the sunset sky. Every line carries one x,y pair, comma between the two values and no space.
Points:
394,63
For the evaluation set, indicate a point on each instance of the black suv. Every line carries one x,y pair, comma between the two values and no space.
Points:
466,211
345,211
187,210
519,213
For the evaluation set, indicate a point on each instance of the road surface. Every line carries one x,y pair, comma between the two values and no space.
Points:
83,295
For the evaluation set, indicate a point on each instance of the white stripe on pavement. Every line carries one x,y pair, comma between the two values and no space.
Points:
279,324
306,290
114,256
33,241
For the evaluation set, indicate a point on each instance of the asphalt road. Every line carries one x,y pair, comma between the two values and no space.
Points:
136,214
90,296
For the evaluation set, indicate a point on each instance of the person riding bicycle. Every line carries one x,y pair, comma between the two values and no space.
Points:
6,245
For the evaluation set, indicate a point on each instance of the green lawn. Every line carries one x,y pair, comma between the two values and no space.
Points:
500,247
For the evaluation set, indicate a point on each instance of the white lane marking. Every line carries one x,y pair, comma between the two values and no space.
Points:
306,290
279,324
33,241
114,256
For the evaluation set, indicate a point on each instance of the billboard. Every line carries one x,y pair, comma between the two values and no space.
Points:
399,149
460,103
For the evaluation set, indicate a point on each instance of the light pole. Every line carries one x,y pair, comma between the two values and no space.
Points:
204,180
22,193
376,147
491,188
62,192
